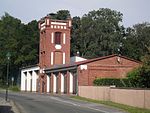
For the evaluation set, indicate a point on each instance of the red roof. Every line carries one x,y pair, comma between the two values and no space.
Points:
104,57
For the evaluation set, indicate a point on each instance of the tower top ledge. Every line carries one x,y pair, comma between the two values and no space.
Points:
47,21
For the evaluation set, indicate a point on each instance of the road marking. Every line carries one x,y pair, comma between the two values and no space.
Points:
98,110
58,99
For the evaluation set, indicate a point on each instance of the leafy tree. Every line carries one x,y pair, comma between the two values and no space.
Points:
75,35
21,41
29,45
99,33
137,41
60,15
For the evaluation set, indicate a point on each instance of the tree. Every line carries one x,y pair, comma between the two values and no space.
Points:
21,41
137,40
60,15
75,35
99,33
29,45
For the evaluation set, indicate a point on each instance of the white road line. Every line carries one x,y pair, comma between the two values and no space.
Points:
55,98
98,110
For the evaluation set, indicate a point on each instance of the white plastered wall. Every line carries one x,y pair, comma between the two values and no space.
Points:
34,80
48,83
64,58
62,83
52,59
23,78
28,81
54,83
64,38
31,73
77,59
71,83
52,37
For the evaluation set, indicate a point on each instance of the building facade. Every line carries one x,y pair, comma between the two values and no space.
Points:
58,73
67,78
29,78
54,46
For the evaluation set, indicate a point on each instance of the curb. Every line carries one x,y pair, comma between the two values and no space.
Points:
15,108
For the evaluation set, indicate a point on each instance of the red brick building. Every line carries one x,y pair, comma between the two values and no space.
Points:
54,45
58,73
84,72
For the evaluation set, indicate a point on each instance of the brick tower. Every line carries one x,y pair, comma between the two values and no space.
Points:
54,45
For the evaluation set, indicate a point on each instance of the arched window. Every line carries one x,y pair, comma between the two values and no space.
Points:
57,37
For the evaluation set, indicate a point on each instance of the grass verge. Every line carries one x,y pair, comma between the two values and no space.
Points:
126,108
14,88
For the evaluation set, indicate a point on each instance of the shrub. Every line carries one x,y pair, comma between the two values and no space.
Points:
112,81
140,77
134,77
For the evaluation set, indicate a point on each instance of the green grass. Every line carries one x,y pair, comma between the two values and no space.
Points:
11,88
126,108
2,87
14,88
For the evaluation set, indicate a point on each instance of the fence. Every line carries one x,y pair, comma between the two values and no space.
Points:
133,97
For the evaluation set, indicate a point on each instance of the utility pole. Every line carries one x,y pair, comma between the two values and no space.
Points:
8,59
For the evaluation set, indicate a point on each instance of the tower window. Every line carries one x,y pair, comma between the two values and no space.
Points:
57,37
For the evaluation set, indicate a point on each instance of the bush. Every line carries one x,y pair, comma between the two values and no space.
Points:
138,78
134,77
112,81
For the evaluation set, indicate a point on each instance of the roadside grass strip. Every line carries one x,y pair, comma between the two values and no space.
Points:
126,108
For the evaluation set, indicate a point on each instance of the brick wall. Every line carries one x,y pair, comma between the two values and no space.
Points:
105,68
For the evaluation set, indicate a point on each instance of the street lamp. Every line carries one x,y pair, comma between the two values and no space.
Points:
8,55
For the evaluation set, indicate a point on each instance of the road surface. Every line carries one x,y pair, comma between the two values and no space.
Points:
44,103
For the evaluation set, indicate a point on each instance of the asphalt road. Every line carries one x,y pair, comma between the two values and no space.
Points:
44,103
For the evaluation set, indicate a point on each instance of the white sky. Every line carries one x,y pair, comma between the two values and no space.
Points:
134,11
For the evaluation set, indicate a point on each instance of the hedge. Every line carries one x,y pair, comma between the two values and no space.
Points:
113,81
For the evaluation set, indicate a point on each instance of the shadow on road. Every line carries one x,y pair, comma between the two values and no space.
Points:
6,109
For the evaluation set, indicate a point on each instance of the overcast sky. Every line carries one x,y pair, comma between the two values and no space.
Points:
134,11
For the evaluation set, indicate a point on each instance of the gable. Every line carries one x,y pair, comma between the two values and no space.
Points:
114,61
